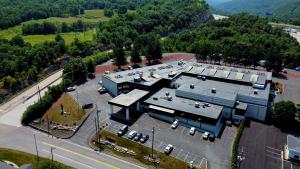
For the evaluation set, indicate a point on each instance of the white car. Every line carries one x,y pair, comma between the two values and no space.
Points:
174,124
101,90
192,131
205,135
132,134
72,88
168,149
100,82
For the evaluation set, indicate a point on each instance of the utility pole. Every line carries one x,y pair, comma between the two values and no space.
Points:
152,141
97,133
39,92
98,123
51,150
36,148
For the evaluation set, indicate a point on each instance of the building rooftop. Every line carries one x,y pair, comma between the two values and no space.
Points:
293,142
182,104
151,74
225,92
128,99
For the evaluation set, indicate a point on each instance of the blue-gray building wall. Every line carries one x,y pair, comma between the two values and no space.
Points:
111,86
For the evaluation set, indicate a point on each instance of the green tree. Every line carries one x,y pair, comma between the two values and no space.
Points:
284,112
119,56
17,41
135,55
9,82
90,66
75,70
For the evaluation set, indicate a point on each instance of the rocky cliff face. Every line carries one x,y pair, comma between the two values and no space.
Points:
202,18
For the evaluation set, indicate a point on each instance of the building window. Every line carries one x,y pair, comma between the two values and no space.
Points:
240,112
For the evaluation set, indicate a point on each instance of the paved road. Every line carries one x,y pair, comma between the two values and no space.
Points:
11,112
22,138
10,105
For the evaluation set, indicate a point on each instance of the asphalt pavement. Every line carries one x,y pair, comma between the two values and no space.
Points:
65,151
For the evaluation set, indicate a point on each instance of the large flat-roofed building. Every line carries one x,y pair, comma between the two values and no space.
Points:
200,95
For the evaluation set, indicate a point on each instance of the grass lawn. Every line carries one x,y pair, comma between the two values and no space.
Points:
90,16
70,106
166,162
21,158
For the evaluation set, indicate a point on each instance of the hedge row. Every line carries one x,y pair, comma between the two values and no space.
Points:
98,58
38,109
234,153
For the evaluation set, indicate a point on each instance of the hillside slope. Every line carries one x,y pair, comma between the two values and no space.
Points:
285,9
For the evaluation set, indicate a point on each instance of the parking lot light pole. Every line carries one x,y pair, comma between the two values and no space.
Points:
152,140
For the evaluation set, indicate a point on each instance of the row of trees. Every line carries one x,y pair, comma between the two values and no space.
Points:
241,39
51,28
21,64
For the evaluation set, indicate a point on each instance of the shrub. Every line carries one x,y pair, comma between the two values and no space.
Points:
234,153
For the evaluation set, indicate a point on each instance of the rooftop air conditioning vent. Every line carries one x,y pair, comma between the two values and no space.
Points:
203,78
155,98
169,98
167,93
213,90
192,86
255,92
197,105
206,104
237,102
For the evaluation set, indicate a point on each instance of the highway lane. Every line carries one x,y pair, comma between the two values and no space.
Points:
65,151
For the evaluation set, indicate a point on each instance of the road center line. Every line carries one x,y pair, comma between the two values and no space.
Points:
74,161
81,155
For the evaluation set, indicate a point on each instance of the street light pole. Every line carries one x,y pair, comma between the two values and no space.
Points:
36,148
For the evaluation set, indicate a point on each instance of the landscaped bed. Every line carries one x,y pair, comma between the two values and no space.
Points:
21,158
166,162
63,118
72,112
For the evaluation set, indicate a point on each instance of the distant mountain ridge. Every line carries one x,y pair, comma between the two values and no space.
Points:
284,9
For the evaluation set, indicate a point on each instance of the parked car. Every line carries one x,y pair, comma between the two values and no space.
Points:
144,138
284,70
297,68
87,105
174,124
211,137
122,130
129,67
205,135
192,131
71,88
100,82
132,134
168,149
101,90
138,137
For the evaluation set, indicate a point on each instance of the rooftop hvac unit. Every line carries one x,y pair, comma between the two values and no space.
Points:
237,102
203,78
255,92
213,90
192,86
155,98
169,98
197,105
206,104
167,93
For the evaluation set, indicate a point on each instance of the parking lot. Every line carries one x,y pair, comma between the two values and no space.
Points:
186,147
262,147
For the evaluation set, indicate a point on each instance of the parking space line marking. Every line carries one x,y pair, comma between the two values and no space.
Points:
80,155
179,153
186,156
273,152
273,148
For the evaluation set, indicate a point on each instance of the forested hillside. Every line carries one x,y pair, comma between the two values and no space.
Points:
241,39
283,9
